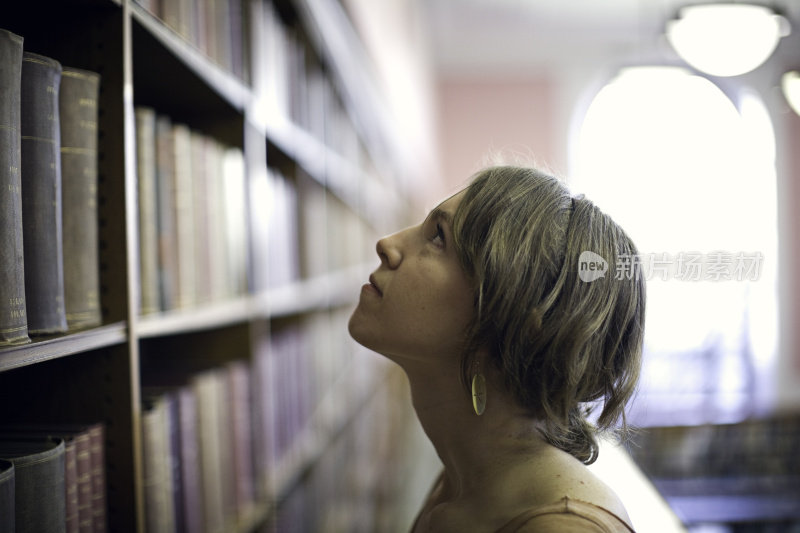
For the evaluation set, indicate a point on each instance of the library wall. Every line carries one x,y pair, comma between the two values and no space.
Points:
241,181
508,116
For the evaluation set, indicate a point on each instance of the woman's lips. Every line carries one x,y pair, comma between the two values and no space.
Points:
372,284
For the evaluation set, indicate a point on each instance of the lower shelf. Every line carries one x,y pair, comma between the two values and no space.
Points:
733,499
325,425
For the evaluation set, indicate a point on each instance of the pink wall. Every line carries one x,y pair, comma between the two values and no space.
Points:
478,118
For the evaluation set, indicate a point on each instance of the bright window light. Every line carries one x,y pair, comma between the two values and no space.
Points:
689,174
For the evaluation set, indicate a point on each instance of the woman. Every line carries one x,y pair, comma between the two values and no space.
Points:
505,345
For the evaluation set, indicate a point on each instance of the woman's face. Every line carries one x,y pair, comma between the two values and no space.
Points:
419,301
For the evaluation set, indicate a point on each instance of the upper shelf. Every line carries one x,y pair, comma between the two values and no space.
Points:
230,88
334,289
47,348
365,194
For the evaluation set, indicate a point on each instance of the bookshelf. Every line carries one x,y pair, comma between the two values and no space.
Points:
268,108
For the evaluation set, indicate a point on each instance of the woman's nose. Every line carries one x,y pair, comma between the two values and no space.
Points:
389,251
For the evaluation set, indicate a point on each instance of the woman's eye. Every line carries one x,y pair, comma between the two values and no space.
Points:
438,238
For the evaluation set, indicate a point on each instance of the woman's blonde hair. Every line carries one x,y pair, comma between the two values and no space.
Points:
561,344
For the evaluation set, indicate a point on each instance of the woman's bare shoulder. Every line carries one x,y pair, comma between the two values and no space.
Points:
559,475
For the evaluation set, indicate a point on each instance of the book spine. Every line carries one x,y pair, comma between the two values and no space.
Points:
211,448
39,495
41,195
173,451
234,220
13,316
78,121
189,458
7,485
71,499
159,511
166,225
204,220
183,207
96,434
83,462
148,209
239,380
212,161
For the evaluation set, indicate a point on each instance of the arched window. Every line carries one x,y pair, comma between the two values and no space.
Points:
689,172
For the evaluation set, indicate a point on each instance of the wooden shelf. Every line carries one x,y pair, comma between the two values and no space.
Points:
364,194
62,346
323,292
210,316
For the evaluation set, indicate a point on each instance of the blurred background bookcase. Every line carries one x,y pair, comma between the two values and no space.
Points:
301,421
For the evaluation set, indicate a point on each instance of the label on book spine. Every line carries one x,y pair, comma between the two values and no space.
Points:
13,316
41,195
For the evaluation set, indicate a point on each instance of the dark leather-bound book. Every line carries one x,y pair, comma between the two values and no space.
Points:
13,318
41,195
84,469
78,121
39,496
7,478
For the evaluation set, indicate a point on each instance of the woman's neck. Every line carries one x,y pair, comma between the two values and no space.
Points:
476,450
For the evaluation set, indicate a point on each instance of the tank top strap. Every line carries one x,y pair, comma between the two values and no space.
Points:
605,519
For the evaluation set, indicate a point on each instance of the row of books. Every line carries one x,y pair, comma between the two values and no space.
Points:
198,463
192,215
291,83
302,231
745,475
219,441
315,383
362,483
52,478
295,367
350,237
755,448
49,267
215,27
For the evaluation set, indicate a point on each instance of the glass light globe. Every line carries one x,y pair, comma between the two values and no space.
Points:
790,84
726,39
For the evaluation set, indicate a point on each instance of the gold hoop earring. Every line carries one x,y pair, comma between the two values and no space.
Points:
478,392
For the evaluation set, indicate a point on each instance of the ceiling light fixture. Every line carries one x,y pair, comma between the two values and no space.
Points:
726,39
790,84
